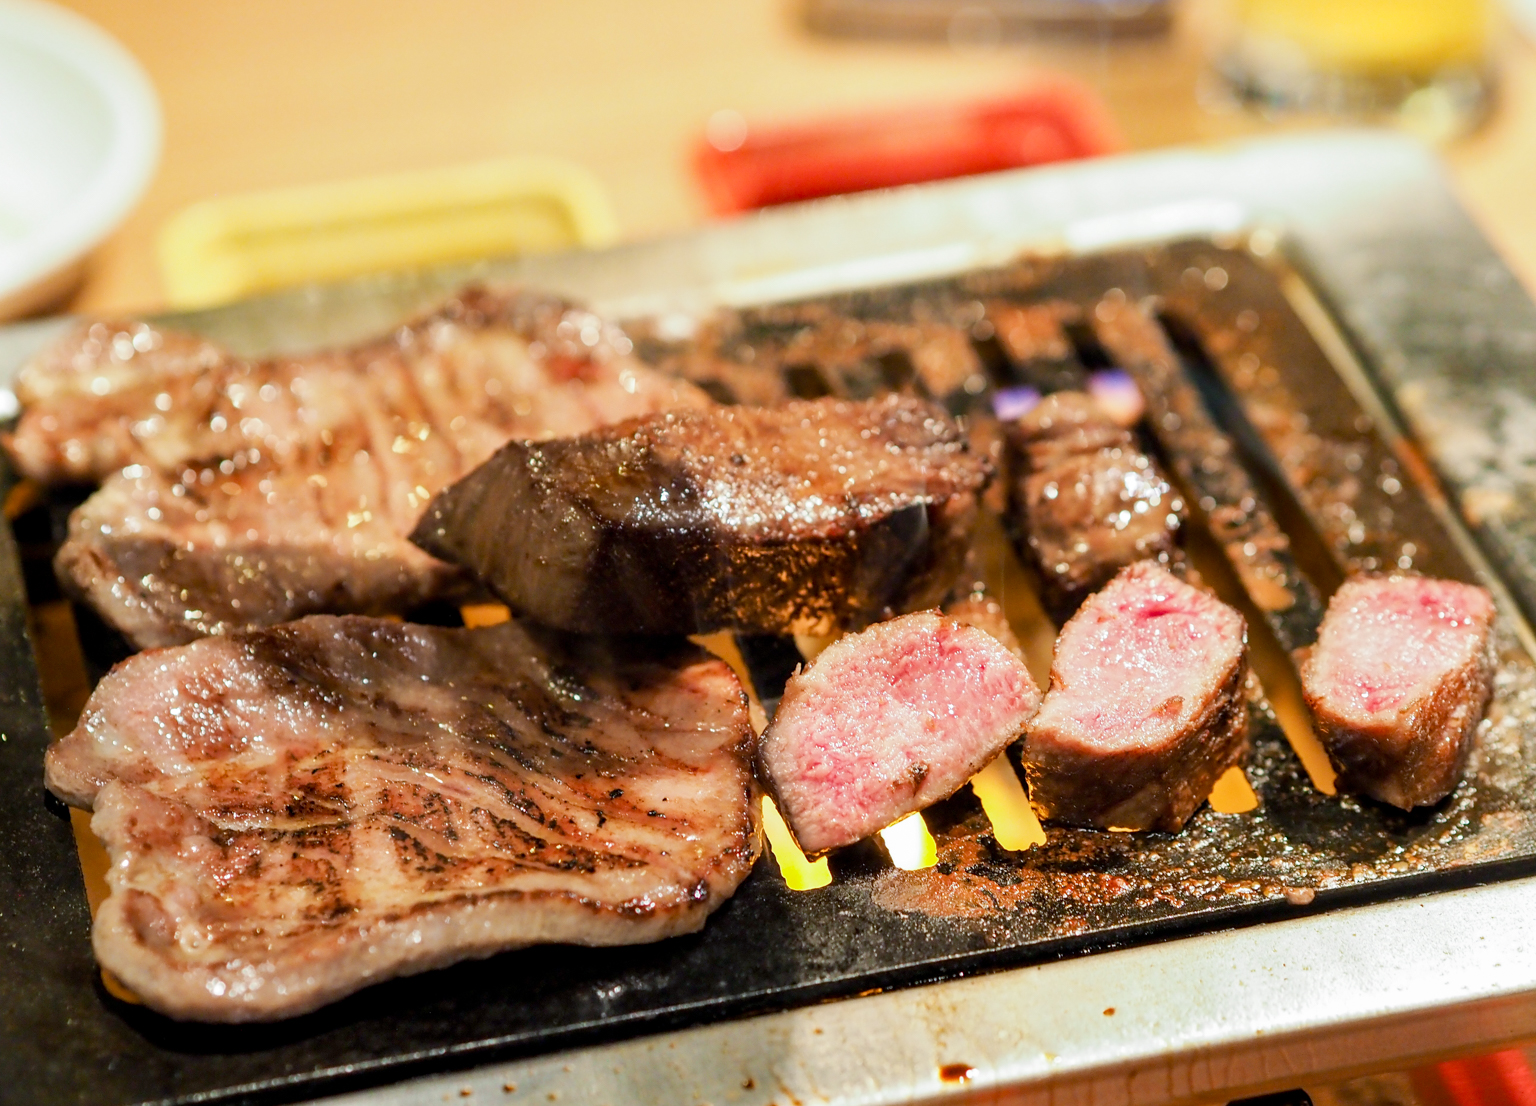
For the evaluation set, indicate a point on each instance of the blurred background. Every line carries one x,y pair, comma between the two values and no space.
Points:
288,93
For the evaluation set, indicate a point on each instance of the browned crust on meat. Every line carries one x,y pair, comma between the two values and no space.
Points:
1418,761
335,802
1137,794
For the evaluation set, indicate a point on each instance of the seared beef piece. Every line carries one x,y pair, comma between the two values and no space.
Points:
294,813
807,517
1084,501
888,721
1398,682
484,367
166,560
327,464
1146,706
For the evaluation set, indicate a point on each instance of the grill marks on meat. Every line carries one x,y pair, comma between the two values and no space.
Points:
1397,683
110,395
276,489
805,517
1146,706
888,721
294,813
1084,500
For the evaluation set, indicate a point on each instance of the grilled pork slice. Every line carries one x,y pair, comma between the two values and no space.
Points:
1146,706
804,517
888,721
1398,682
1084,501
296,812
326,478
484,367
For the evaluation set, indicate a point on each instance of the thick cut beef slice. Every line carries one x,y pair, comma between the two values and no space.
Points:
806,517
321,466
1146,706
1084,500
888,721
296,812
1398,682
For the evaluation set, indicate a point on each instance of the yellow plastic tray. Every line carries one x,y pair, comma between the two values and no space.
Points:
222,249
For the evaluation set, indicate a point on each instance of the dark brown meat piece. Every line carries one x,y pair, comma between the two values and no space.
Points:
297,812
293,483
1398,682
1084,501
1146,706
888,721
807,517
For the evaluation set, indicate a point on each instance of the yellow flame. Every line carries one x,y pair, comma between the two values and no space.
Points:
800,873
1232,793
1002,796
483,614
910,844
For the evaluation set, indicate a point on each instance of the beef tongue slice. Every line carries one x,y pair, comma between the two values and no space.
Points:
807,517
1398,682
1084,500
270,490
888,721
293,813
1146,706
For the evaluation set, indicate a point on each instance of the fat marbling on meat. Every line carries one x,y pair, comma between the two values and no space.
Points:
1146,706
268,490
1398,682
890,720
808,516
1084,500
296,812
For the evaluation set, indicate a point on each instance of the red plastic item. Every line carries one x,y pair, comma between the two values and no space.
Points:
1053,120
1498,1079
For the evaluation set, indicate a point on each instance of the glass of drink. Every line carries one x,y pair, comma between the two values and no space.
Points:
1424,64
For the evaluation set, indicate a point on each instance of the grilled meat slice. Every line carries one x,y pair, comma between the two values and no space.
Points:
484,367
1398,682
1084,501
166,560
327,463
1146,706
805,517
888,721
294,813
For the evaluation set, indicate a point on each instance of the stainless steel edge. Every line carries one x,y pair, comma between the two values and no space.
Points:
1207,1017
1203,1019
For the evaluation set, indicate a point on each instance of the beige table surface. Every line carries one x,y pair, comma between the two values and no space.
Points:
284,92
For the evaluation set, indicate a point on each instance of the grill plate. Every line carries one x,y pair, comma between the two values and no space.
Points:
984,908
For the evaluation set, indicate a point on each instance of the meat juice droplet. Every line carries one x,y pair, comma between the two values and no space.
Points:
956,1073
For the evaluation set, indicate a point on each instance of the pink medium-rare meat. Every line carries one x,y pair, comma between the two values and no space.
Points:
1398,682
1146,706
808,516
888,721
484,367
306,502
296,812
1084,501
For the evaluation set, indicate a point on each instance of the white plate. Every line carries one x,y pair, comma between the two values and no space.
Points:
79,139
